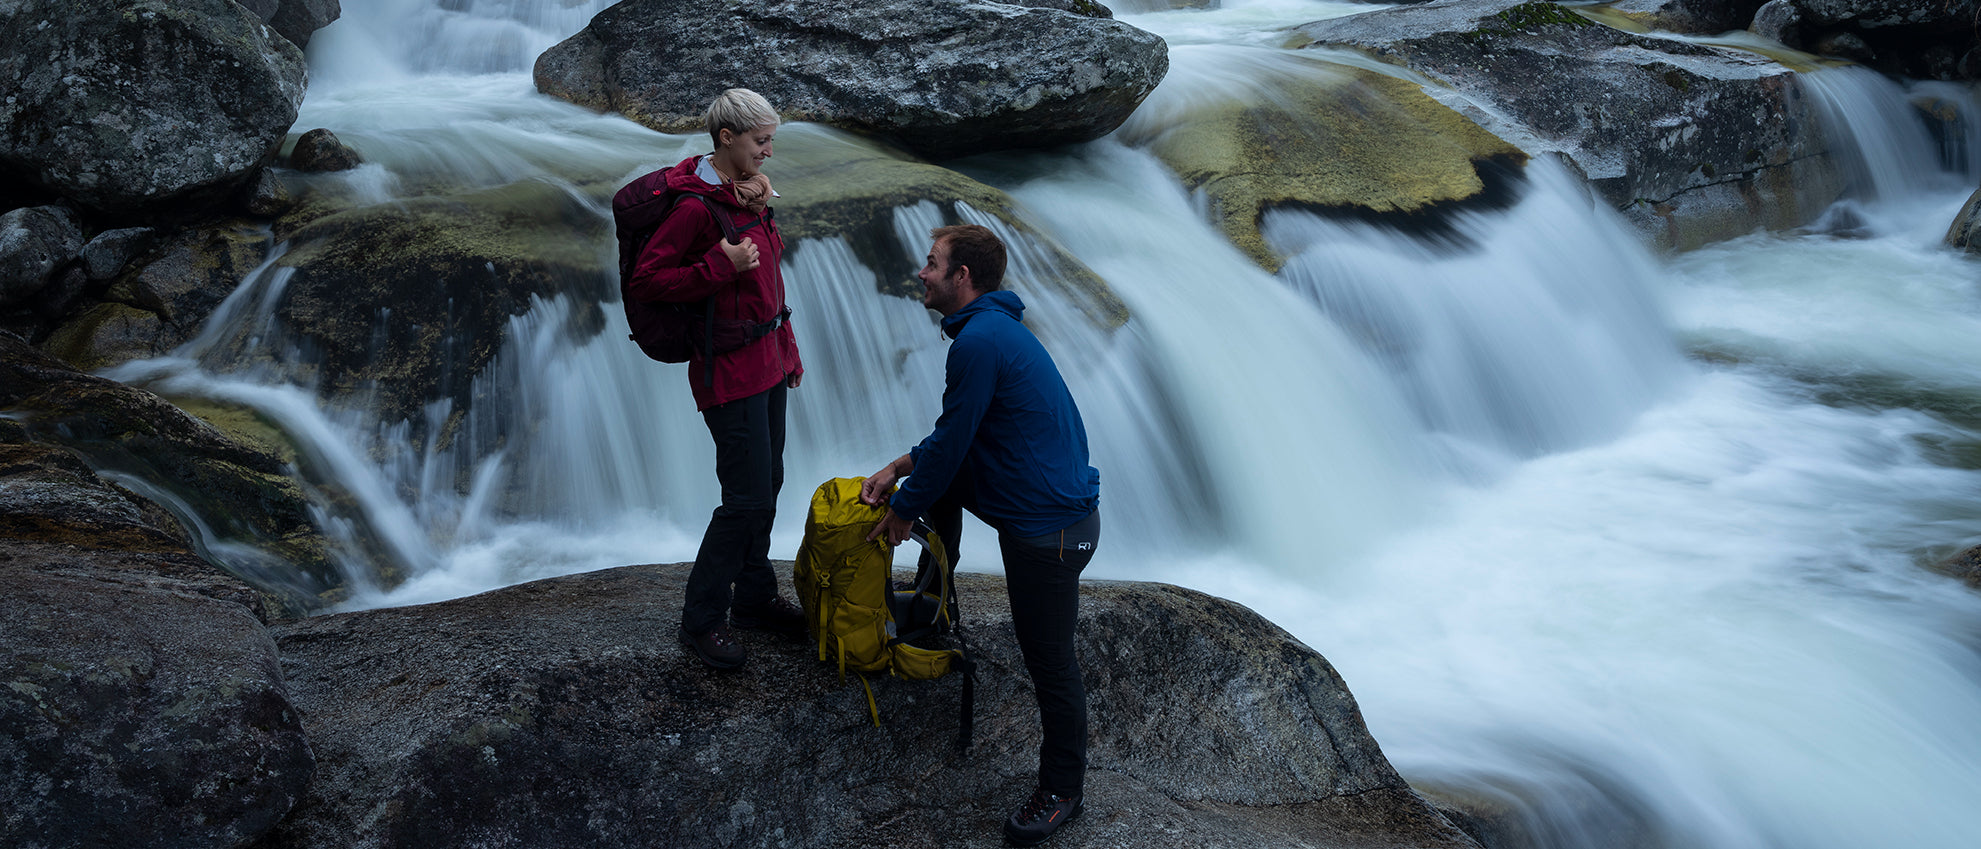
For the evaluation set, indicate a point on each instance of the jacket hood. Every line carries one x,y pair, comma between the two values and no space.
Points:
1002,300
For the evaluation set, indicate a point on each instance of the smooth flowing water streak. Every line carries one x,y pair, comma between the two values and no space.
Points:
1539,331
1636,598
1880,138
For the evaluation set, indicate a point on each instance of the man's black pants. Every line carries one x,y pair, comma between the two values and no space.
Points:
1042,578
749,463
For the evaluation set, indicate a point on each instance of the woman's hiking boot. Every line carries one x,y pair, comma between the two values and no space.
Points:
716,647
778,616
1039,817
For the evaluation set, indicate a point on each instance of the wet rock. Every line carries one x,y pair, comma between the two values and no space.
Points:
268,196
1844,45
35,243
151,308
1965,233
1352,143
1780,20
241,494
1967,564
104,334
1665,131
1701,17
945,78
320,150
191,271
107,254
562,713
295,20
137,713
1140,6
58,299
1087,8
141,105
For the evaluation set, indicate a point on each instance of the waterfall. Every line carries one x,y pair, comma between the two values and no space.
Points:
1630,546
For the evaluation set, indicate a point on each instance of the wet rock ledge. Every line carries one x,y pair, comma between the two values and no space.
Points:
562,713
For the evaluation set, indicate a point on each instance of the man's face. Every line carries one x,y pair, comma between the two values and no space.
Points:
943,290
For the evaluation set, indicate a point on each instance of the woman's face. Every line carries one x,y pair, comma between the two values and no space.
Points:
749,149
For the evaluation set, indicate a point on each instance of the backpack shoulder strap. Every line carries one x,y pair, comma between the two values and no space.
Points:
722,218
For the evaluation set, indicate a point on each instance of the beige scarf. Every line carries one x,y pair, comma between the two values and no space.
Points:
752,192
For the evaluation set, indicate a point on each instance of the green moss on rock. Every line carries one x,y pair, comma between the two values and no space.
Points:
1363,144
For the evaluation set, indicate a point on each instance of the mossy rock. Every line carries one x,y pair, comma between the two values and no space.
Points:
163,298
239,492
1350,142
107,334
398,305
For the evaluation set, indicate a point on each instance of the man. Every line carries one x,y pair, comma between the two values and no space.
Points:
1010,448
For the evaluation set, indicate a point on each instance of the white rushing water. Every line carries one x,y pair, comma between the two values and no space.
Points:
1559,561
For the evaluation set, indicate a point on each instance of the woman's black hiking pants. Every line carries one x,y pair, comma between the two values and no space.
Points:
735,552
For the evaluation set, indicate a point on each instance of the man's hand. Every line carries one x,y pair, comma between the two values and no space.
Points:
892,528
743,256
878,485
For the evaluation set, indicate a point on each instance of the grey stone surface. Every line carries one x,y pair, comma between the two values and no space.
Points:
562,713
129,105
1780,20
1692,143
320,150
35,243
946,78
1965,232
138,716
111,250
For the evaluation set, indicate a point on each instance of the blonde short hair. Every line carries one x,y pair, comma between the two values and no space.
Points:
738,110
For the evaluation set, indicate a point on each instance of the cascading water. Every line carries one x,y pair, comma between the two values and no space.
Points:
1637,598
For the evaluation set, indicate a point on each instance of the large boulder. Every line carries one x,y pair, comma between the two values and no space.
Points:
1326,139
141,703
137,715
561,713
1666,131
125,106
945,77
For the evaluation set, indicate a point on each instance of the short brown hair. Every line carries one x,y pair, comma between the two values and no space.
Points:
975,246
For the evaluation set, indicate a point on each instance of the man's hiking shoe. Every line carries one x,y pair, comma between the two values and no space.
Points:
716,647
779,616
1039,817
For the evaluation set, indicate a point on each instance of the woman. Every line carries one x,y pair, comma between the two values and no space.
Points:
740,392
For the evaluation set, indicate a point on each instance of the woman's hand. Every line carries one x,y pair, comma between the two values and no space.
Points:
743,256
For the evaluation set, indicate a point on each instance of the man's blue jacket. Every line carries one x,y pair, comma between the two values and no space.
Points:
1005,412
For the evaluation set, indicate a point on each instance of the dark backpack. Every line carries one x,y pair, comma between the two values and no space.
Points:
672,332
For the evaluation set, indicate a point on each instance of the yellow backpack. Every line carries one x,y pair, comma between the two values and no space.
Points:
845,583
